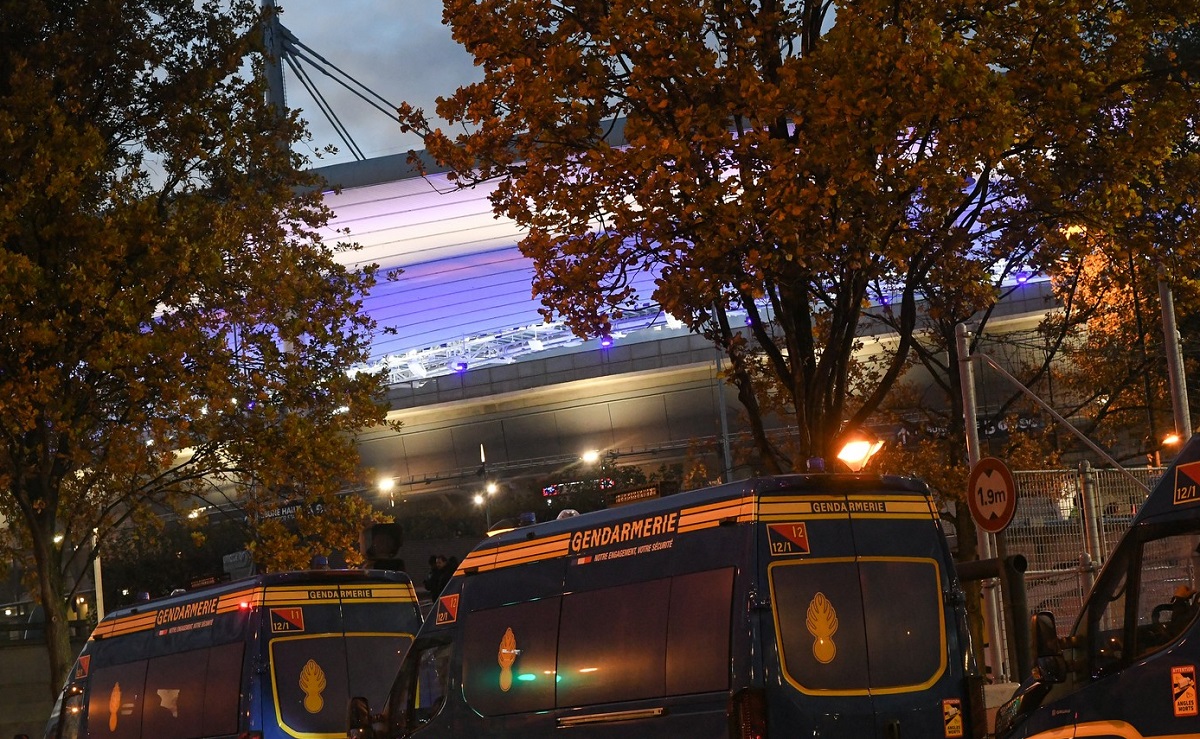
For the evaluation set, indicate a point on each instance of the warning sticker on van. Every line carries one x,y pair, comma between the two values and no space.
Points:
287,620
447,610
788,538
952,717
1187,483
1183,690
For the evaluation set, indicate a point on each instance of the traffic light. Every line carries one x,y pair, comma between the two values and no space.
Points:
381,546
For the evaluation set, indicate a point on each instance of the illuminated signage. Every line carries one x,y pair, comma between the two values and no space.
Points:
620,533
205,607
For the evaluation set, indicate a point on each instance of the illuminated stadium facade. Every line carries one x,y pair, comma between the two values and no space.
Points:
471,362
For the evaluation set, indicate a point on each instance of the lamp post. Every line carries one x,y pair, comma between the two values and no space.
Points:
387,485
484,500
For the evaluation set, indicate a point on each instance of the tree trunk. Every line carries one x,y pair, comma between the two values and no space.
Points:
58,631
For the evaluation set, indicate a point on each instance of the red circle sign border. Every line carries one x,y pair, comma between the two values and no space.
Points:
985,465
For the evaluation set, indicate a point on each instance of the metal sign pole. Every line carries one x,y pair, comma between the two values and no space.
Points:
1175,373
983,539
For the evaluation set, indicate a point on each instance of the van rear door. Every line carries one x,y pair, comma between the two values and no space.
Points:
327,643
859,584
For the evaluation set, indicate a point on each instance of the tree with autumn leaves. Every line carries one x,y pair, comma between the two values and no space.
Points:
173,331
819,168
796,163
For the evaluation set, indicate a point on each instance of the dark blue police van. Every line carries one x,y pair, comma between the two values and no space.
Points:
277,656
1128,668
799,605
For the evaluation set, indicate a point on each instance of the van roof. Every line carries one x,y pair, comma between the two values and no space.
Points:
792,485
299,577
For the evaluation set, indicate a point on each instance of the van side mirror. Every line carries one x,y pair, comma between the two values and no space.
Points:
358,719
1047,651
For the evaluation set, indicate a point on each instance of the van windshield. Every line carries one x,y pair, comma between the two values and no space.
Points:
840,630
420,689
1146,597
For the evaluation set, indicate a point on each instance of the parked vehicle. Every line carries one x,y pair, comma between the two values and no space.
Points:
269,657
1128,669
799,605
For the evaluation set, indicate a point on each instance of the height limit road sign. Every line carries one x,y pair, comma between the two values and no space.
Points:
991,495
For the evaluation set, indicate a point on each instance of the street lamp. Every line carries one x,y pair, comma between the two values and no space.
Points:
1169,440
387,486
484,500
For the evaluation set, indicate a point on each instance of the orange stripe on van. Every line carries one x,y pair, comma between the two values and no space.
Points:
741,510
146,620
256,597
516,554
844,507
746,509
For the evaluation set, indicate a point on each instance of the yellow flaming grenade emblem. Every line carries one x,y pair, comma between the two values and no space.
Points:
822,624
114,706
312,682
506,657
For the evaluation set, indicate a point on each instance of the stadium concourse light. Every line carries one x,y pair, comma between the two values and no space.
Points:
857,450
484,501
387,486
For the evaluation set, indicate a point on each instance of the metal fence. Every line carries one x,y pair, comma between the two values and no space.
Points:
1052,529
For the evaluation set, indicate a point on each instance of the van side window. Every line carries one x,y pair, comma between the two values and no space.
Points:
1105,621
421,687
698,636
174,694
223,689
642,640
190,691
71,713
613,644
1167,587
116,698
509,657
645,640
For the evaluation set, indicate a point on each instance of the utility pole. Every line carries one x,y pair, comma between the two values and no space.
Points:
984,544
1175,374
